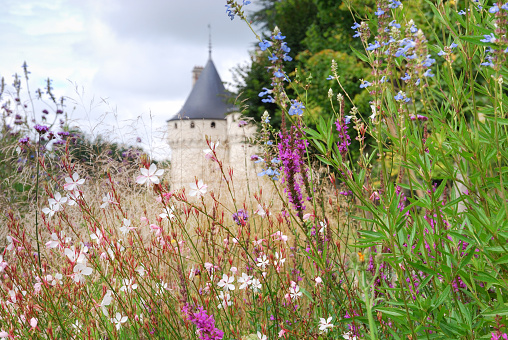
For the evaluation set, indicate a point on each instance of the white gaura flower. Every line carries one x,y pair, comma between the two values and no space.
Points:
4,335
349,336
255,285
261,336
11,240
169,214
72,183
53,208
73,197
54,241
262,261
151,174
3,264
325,325
198,189
126,226
54,280
294,291
74,255
244,280
128,286
57,200
226,283
119,320
140,270
323,227
224,299
261,212
106,301
80,271
108,199
279,260
209,152
97,236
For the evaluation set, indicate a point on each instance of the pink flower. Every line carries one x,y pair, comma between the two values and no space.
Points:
156,228
151,174
279,236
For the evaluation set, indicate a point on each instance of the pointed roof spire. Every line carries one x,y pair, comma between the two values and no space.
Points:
209,41
208,98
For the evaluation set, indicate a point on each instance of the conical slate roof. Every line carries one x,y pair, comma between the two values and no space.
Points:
208,98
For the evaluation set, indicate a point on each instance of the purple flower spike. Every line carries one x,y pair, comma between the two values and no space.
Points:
41,129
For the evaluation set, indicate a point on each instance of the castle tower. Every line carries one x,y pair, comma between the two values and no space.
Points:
203,114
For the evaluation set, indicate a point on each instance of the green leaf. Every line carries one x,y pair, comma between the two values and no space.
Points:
441,298
360,55
390,311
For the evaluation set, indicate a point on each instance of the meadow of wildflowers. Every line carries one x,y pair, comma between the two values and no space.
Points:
405,238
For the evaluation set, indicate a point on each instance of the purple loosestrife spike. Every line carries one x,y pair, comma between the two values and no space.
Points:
344,139
291,147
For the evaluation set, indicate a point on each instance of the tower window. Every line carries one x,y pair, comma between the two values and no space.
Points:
176,125
192,125
213,125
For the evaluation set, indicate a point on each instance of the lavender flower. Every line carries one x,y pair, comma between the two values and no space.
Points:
41,129
240,217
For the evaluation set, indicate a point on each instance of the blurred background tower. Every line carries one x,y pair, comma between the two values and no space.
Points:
207,112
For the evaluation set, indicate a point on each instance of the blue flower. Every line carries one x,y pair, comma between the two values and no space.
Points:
279,74
265,92
413,29
273,57
505,6
462,12
494,8
347,119
401,96
357,35
442,53
355,26
279,36
506,51
230,12
285,47
364,84
394,4
428,61
287,58
394,24
246,2
275,160
269,99
383,80
489,38
373,46
264,45
330,78
296,108
379,12
406,77
453,45
428,73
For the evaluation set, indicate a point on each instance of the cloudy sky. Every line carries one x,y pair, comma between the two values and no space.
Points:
124,64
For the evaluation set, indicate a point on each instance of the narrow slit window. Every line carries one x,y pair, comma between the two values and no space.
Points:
192,125
213,125
176,125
